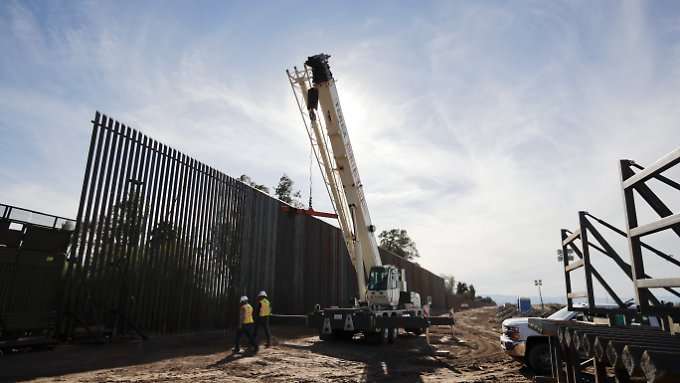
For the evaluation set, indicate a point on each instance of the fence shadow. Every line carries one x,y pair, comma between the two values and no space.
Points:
72,359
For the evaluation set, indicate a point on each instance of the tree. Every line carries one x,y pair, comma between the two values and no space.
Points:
449,283
128,219
471,292
284,192
246,180
461,288
398,242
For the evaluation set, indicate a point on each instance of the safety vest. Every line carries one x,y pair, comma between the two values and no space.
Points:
247,313
265,308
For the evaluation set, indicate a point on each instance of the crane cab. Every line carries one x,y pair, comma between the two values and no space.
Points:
385,284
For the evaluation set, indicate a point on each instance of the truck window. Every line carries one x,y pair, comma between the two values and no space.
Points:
395,280
378,279
561,314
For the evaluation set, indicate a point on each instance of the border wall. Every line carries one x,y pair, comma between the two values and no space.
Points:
165,243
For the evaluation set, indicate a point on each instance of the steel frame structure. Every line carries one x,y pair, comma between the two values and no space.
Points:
585,230
165,244
647,303
33,247
21,215
632,181
622,343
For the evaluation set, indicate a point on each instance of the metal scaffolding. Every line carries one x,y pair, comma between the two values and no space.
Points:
634,348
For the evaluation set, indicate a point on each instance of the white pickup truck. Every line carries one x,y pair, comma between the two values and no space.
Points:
528,346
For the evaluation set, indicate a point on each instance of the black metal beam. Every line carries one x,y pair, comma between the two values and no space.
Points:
638,270
599,278
586,258
654,250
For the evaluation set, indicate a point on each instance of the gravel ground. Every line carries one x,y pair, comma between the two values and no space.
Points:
470,354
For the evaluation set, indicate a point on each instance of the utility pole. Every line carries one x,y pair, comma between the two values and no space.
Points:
538,283
560,255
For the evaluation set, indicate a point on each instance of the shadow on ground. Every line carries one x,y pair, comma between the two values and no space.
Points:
71,359
407,360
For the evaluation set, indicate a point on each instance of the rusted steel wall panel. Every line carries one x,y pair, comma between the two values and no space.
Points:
419,279
167,244
157,239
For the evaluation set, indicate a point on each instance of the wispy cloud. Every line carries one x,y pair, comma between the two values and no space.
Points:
479,127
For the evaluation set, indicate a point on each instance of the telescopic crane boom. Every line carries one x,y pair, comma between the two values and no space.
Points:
384,304
327,130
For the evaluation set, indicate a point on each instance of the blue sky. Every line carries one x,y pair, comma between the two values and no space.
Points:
481,127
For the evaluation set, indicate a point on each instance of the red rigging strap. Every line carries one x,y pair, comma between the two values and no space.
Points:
310,212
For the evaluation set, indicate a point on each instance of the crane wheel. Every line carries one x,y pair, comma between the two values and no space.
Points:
325,337
392,335
378,338
384,335
343,335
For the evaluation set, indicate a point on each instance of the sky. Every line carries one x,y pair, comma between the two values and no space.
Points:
481,127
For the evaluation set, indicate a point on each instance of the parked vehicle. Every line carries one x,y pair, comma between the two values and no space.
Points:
527,345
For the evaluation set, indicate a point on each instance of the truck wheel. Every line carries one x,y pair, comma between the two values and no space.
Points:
538,358
325,337
392,335
380,337
343,335
384,335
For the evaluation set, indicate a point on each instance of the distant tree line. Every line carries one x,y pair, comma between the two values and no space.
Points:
399,242
284,190
463,289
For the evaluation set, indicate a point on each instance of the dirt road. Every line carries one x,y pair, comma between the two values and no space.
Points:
298,356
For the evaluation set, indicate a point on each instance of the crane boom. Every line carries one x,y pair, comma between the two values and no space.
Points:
385,305
333,150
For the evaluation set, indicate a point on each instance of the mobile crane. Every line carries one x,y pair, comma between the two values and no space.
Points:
384,304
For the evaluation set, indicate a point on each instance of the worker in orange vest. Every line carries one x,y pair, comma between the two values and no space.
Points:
264,311
245,325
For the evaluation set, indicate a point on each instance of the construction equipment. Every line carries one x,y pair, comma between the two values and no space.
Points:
384,304
33,249
641,338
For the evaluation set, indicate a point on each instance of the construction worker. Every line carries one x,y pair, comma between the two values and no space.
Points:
264,311
245,325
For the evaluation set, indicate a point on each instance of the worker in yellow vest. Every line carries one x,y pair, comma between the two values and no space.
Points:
245,325
264,311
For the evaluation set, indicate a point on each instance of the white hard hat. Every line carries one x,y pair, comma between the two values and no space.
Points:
262,294
244,299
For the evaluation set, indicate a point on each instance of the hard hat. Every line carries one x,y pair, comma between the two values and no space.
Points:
244,299
262,294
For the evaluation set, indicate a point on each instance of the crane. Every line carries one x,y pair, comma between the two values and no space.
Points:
317,98
384,304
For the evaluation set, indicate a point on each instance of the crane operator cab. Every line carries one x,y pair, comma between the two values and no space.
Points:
387,287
